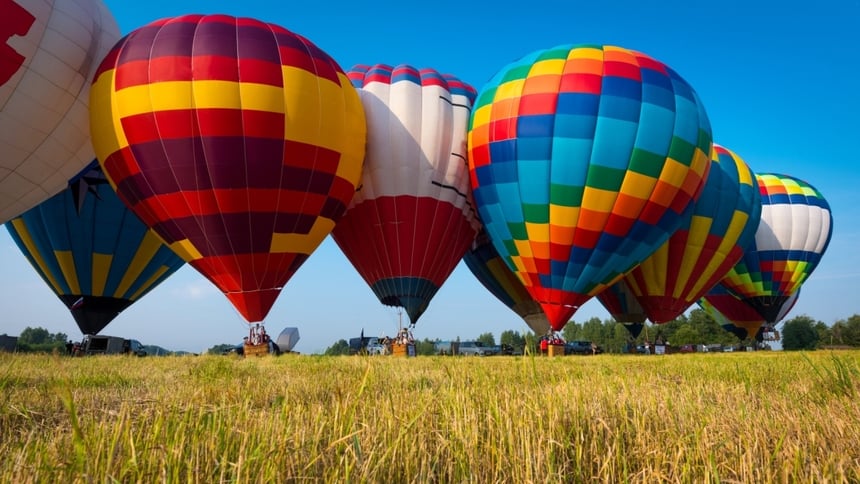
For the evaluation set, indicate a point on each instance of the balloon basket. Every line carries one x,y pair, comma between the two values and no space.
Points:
400,349
256,350
555,350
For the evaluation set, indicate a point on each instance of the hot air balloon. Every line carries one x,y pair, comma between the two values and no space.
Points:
583,161
492,272
412,218
739,318
622,305
96,255
795,229
239,142
48,53
706,246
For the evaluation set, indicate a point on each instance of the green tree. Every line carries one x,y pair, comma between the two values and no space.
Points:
41,340
531,343
487,339
799,334
828,335
571,331
425,347
341,347
593,330
34,336
686,335
852,331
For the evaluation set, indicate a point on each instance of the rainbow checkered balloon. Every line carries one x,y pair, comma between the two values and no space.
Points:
583,161
794,232
239,142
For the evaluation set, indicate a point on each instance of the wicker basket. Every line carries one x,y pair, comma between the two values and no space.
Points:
256,350
399,349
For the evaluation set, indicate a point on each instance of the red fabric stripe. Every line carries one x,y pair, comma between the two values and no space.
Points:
622,69
579,82
404,236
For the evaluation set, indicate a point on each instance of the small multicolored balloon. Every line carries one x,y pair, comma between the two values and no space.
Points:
794,232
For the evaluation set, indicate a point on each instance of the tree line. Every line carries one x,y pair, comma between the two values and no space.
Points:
799,333
697,328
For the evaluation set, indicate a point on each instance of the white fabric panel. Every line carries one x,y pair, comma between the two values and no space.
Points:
44,118
792,227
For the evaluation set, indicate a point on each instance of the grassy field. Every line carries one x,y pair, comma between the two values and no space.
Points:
734,417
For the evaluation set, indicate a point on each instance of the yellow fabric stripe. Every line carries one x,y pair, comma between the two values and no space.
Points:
67,267
638,185
598,200
105,130
145,252
697,236
186,250
309,102
509,90
589,53
101,269
148,283
302,243
209,94
27,239
548,66
653,270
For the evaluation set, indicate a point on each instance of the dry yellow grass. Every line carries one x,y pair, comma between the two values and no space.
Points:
762,417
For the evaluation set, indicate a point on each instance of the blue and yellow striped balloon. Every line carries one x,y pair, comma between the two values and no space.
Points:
94,253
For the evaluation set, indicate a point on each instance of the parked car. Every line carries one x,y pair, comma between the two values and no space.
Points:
581,348
475,348
97,344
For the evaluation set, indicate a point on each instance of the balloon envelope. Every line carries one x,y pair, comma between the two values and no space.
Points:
239,142
96,255
706,246
735,315
412,218
583,160
491,271
48,53
794,232
622,304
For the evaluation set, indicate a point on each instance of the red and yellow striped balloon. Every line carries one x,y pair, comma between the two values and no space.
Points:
239,142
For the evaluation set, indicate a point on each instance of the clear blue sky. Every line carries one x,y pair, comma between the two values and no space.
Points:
780,85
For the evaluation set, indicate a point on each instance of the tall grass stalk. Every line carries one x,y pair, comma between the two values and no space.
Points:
739,417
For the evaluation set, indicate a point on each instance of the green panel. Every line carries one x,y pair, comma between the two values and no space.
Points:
646,163
485,97
516,73
681,151
704,141
605,178
536,213
565,195
518,232
556,53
